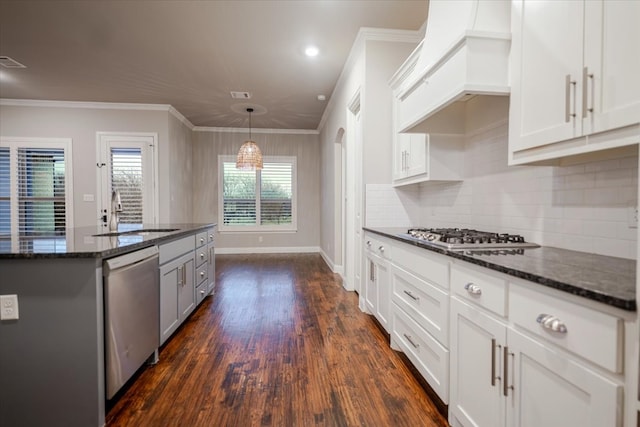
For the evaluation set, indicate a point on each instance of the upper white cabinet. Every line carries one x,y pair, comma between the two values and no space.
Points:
575,85
420,157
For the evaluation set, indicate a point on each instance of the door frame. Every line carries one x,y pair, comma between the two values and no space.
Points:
104,137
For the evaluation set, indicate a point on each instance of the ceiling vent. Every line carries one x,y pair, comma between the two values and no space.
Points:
7,62
240,95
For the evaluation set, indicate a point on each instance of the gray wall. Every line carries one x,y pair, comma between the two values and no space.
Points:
81,125
207,145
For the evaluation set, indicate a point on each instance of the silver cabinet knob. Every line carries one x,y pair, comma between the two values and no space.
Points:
201,240
381,248
473,289
202,292
368,242
202,274
552,323
201,256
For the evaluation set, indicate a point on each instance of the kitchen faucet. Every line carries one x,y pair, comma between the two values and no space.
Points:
116,208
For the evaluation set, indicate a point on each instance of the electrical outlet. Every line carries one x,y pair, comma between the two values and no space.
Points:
9,307
632,216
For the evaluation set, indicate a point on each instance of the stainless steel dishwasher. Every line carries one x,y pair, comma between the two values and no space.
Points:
132,314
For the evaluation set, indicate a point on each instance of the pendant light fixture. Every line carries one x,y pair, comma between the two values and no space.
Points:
249,156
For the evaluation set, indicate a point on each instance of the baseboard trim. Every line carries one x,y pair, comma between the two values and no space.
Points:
268,250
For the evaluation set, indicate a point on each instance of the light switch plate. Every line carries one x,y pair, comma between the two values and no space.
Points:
9,307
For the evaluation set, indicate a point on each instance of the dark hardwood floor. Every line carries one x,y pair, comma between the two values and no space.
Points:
281,343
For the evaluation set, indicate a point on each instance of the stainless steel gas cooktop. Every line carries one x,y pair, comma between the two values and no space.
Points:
464,238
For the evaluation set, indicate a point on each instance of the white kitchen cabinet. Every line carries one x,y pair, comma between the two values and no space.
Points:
211,262
177,284
420,312
420,157
548,388
538,364
377,295
476,342
575,85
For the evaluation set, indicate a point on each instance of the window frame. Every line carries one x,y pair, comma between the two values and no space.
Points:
292,227
16,143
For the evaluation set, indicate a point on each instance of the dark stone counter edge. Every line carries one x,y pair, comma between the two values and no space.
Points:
110,253
624,304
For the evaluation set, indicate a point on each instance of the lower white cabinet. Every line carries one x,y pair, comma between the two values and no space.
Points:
476,367
500,377
548,388
377,297
177,293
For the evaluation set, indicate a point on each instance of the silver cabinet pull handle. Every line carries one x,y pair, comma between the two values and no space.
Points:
412,296
587,79
552,323
493,362
473,289
505,381
181,275
408,337
567,108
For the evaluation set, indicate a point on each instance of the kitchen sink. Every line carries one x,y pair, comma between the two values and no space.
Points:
138,231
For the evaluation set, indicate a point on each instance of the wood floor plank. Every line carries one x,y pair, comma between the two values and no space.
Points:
281,343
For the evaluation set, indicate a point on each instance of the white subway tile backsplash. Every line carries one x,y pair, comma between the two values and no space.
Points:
581,207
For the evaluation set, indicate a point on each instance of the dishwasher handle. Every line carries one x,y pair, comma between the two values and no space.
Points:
131,258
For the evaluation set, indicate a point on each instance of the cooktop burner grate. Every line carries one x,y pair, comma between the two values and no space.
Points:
465,238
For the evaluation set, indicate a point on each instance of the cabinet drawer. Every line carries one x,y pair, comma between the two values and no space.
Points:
201,292
594,335
480,288
201,273
427,304
428,356
423,263
210,236
171,250
202,255
202,238
377,246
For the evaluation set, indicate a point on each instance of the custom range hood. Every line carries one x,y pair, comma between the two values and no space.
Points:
465,53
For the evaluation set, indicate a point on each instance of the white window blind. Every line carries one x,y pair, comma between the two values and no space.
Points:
127,177
5,192
239,195
263,199
276,193
41,190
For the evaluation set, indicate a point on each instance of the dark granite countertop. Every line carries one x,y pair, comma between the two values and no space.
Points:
605,279
84,242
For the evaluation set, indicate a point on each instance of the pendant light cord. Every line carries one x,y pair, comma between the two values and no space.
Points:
250,110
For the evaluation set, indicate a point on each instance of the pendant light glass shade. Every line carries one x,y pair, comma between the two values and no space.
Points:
249,155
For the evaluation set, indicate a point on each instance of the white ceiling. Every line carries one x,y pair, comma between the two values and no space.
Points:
191,54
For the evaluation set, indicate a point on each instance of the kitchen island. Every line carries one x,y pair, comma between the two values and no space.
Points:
52,359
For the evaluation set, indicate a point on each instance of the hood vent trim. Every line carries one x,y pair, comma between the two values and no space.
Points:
476,62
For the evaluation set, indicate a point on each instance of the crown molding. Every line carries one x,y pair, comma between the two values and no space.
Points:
257,130
178,115
366,34
83,104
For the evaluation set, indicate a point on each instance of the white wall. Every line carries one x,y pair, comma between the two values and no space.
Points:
372,62
80,123
207,145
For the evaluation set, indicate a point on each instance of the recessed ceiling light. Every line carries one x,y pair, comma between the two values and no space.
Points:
321,98
311,51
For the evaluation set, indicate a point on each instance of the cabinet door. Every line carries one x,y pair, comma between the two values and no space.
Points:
371,293
546,48
384,295
400,149
187,289
416,163
476,339
550,389
612,65
211,268
171,276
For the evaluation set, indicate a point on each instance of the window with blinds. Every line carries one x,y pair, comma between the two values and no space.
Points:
127,177
35,179
5,192
41,190
263,199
